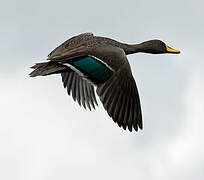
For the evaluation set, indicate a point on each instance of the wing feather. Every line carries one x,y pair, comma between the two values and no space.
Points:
69,82
83,100
90,96
86,90
120,98
78,97
81,89
74,87
127,107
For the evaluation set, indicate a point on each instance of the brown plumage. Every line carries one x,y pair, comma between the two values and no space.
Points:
85,61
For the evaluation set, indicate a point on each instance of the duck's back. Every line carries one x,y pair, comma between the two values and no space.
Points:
71,44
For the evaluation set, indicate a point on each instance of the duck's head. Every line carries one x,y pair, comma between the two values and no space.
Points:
157,47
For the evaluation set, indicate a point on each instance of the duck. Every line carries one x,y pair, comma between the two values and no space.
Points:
91,65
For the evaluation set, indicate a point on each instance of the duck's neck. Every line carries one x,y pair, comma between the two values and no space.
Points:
133,48
129,48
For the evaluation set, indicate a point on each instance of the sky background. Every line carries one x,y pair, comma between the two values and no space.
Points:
45,135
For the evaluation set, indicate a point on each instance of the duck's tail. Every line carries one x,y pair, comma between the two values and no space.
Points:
47,68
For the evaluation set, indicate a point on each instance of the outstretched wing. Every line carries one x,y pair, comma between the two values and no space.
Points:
81,89
120,98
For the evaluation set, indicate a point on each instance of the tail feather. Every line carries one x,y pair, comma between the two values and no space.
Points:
47,68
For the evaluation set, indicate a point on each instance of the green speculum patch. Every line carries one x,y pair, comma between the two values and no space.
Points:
95,70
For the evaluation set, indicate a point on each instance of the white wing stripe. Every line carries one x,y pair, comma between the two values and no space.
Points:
102,62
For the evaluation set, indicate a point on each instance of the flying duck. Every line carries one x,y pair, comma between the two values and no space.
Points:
85,61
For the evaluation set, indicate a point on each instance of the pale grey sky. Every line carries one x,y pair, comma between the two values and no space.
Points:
45,135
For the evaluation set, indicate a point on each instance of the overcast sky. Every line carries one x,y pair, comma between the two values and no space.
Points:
45,135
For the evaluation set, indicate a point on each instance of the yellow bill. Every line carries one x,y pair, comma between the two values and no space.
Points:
171,50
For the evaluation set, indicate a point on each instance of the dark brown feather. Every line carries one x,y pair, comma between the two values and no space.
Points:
81,89
83,100
78,91
48,68
74,87
87,95
69,82
121,100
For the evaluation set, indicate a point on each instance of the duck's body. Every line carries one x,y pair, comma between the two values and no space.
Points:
87,60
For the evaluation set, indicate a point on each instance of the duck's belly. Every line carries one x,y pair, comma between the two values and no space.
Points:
95,70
